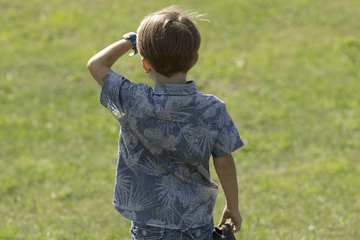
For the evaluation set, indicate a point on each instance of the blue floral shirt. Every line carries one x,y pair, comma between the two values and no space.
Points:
167,135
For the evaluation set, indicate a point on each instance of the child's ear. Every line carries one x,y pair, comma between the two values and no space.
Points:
146,65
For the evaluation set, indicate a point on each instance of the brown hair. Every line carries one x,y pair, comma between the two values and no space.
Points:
169,41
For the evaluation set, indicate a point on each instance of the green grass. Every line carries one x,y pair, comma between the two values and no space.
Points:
288,71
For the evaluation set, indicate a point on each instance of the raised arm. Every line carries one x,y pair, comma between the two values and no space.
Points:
226,171
100,64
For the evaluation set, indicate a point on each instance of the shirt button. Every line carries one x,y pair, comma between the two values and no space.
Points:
144,232
198,233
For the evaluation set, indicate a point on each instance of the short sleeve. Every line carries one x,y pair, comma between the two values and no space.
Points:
228,138
115,95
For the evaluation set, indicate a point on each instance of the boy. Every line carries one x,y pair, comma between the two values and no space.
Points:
168,134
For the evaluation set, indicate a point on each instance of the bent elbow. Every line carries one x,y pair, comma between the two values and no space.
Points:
93,67
90,64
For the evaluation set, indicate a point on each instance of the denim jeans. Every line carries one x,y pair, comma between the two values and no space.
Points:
145,232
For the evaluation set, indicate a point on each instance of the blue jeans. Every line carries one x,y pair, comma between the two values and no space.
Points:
144,232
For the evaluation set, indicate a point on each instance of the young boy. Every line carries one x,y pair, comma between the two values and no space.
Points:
168,134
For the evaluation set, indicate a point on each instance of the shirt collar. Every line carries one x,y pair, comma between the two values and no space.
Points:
175,89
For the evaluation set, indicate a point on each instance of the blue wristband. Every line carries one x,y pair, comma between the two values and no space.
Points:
132,37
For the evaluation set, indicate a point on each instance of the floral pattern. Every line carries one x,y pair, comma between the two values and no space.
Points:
168,134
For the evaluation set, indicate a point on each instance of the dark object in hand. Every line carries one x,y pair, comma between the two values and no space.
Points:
224,233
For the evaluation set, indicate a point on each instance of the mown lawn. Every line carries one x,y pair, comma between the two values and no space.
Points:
288,71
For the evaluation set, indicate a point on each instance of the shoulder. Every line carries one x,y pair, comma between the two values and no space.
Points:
114,79
214,99
121,92
209,107
209,101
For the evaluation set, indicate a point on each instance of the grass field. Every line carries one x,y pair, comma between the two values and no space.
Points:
288,71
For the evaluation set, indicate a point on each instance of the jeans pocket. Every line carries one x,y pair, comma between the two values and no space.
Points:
202,233
146,233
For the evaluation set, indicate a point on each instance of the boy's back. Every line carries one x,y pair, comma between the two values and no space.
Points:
168,133
167,137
